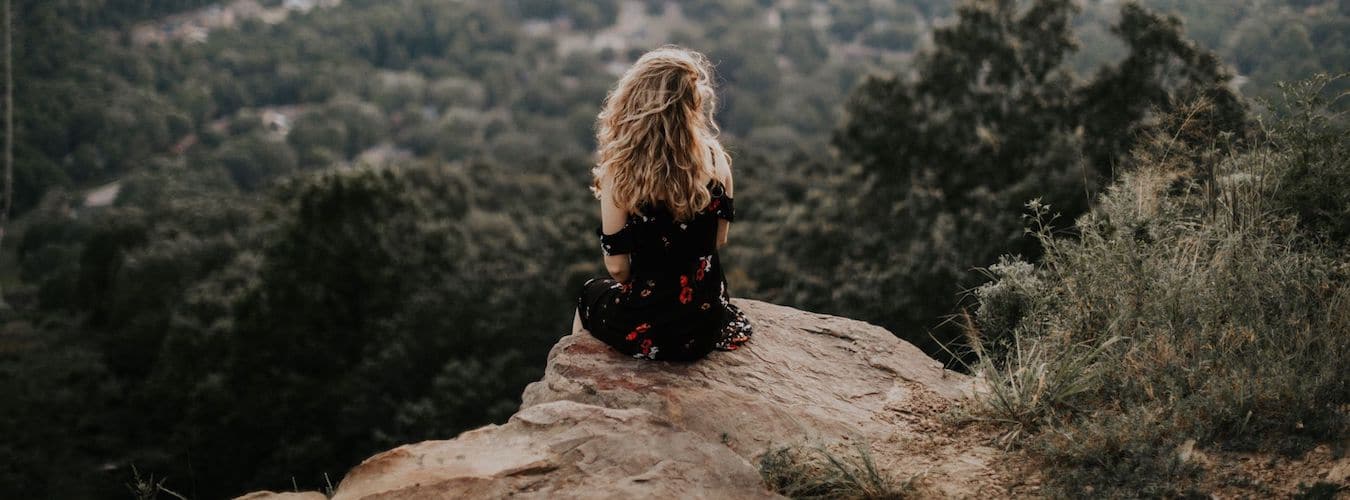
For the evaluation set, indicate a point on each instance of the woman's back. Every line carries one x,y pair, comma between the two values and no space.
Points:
663,246
662,219
675,306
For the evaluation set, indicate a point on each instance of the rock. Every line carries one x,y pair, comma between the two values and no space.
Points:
270,495
802,376
602,425
1340,472
561,449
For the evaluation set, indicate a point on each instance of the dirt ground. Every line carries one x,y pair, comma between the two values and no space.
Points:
942,459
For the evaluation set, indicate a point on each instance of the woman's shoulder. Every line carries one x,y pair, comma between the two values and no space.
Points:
721,172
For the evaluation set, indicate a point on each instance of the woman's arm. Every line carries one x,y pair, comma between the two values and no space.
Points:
723,230
612,219
723,168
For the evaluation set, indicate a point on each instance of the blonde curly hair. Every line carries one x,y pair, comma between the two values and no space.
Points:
656,134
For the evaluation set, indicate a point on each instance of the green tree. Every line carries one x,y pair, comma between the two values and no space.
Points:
370,293
993,118
802,44
253,159
1163,70
848,19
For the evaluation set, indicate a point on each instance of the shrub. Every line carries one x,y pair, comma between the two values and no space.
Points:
1002,302
1315,174
1193,302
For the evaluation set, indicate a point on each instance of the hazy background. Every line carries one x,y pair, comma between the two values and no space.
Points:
253,243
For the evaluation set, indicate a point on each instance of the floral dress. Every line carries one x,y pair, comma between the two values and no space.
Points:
675,305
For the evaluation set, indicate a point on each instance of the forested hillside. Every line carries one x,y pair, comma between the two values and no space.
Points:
254,243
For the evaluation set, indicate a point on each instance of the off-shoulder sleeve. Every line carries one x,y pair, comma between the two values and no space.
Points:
616,244
721,204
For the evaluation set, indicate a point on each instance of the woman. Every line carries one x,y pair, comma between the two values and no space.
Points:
665,190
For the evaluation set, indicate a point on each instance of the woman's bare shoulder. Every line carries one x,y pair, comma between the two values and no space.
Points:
722,171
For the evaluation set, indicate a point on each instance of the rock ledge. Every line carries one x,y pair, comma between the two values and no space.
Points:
602,425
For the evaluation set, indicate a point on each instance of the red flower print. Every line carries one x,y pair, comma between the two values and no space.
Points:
684,280
631,336
643,327
698,275
646,345
713,206
686,295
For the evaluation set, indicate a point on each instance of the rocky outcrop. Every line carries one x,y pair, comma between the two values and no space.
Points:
602,425
561,449
804,376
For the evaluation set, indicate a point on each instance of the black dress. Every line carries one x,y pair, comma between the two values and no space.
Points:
675,304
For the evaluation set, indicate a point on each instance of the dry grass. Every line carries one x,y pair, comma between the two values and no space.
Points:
817,473
1192,303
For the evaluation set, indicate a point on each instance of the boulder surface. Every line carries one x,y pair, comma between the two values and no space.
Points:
603,425
803,379
802,376
561,449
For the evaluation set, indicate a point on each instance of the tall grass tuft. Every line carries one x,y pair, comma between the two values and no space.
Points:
147,488
816,473
1197,300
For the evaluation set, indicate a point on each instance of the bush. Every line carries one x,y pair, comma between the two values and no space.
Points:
1137,456
1314,173
1188,306
1002,303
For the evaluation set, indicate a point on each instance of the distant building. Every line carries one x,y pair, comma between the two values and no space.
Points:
277,120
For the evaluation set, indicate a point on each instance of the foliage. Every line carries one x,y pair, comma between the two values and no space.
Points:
263,313
1265,42
95,105
1192,304
370,317
1161,71
1314,174
361,226
361,309
1002,303
818,473
146,488
58,389
992,117
1134,455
